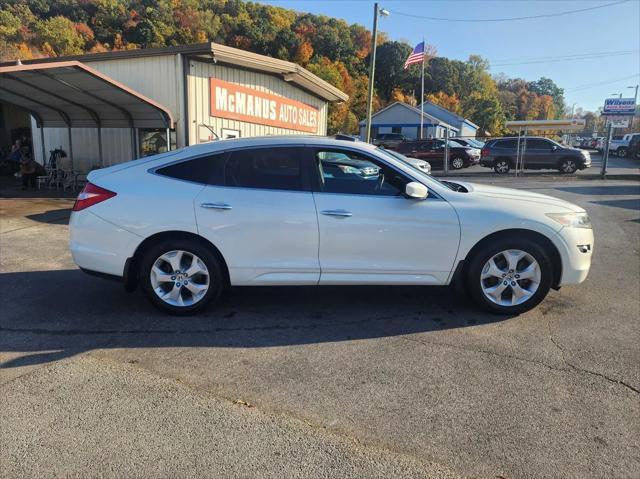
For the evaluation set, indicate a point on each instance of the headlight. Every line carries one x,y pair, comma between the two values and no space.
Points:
571,220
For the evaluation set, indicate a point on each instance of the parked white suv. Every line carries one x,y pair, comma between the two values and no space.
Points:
186,224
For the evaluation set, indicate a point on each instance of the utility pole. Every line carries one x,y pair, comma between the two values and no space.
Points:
372,67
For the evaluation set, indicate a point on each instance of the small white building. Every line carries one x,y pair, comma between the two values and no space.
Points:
402,118
106,108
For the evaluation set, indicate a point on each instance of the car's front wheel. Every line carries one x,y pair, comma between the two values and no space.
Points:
568,166
501,167
181,276
510,276
621,152
457,163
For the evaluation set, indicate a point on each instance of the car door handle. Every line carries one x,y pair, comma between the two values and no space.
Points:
340,213
215,206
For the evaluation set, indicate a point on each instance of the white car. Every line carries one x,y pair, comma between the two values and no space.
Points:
186,224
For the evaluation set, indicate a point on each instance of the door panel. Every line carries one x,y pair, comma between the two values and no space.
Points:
265,236
386,240
264,219
370,232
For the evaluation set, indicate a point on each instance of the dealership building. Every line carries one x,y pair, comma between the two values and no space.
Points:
106,108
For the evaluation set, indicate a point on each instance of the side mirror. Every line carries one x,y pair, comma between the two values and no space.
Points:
416,190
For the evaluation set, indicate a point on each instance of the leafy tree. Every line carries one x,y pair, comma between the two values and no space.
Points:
60,35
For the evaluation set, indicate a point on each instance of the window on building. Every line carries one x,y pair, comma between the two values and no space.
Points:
396,129
152,141
268,168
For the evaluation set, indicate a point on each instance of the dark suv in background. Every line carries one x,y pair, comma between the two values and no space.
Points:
539,153
433,151
389,140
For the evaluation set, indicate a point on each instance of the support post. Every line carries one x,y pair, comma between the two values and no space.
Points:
446,151
168,139
518,151
372,68
100,147
134,143
70,147
422,94
44,150
605,155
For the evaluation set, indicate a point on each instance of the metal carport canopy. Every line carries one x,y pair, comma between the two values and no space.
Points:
72,95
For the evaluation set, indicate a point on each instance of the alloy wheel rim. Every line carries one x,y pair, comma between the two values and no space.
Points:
457,163
510,277
569,166
502,166
179,278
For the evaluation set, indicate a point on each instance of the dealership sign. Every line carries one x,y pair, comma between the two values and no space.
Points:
619,122
619,106
237,102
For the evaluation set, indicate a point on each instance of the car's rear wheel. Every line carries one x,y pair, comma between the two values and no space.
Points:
181,277
621,152
501,167
510,276
457,163
568,166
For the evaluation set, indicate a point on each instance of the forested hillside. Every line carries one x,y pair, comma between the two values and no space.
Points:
329,47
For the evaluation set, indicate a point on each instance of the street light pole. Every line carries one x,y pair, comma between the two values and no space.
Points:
372,67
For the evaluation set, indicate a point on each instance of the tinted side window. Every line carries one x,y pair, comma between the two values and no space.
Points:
538,144
268,168
346,172
506,144
206,170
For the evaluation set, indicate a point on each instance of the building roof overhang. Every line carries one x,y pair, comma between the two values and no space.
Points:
71,94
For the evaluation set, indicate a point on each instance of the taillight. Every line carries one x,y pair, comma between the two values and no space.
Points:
484,152
90,195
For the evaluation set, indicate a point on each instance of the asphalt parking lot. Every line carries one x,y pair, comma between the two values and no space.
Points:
319,382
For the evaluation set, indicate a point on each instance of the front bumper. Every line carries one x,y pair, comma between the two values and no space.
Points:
576,250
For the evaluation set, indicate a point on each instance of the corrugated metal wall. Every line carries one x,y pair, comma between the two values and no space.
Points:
200,73
160,78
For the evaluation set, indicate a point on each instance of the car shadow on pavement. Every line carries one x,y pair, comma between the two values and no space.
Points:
71,313
60,216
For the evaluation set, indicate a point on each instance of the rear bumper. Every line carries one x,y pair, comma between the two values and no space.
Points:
99,246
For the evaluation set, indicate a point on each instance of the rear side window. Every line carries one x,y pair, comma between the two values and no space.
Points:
267,168
205,169
506,144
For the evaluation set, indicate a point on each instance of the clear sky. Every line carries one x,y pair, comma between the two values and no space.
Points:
587,81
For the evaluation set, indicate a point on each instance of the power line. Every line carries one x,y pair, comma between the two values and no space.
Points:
566,58
605,82
506,19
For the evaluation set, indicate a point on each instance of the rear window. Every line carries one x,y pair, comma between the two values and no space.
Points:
205,170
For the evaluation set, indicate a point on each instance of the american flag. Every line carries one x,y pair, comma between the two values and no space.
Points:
416,55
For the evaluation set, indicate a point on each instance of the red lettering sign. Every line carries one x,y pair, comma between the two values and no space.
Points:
237,102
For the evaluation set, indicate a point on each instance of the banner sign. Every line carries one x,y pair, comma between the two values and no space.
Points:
618,121
237,102
619,106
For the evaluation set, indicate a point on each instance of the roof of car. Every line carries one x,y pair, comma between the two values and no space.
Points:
290,140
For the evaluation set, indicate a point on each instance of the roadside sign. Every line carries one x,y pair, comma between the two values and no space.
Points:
619,106
619,122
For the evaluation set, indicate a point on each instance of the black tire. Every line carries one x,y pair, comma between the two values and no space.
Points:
485,253
216,277
457,163
568,166
621,152
501,166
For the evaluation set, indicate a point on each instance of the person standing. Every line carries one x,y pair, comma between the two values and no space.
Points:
28,169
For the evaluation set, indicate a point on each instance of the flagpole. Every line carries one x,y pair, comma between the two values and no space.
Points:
422,93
